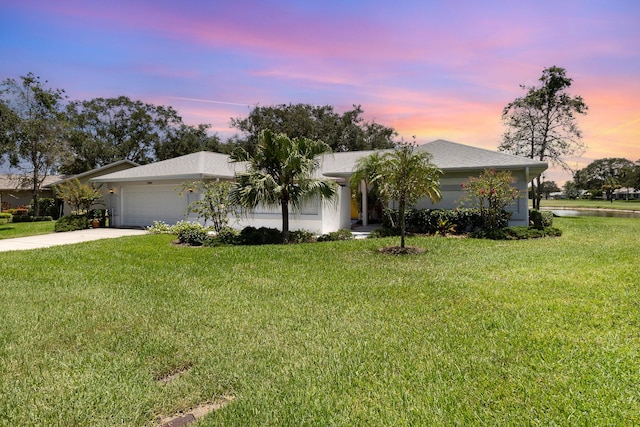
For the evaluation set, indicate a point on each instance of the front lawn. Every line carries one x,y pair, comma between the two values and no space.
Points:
471,332
23,229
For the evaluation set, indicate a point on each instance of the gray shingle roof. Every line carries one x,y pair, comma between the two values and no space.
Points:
202,164
17,182
448,156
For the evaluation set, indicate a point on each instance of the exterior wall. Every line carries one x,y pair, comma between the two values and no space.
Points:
452,195
17,198
337,214
138,204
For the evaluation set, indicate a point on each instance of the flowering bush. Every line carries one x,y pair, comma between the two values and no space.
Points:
491,193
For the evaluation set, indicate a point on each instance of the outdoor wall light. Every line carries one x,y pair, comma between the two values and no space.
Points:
112,190
190,190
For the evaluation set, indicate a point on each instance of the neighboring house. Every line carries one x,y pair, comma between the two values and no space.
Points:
144,194
626,194
85,178
15,190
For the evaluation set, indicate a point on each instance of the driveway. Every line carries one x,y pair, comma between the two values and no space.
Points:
65,238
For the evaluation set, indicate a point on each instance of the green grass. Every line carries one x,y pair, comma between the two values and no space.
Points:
471,332
23,229
592,204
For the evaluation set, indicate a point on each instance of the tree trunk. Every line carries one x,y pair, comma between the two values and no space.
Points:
402,222
285,220
36,201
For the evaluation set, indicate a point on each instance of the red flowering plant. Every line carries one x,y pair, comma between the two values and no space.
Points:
491,193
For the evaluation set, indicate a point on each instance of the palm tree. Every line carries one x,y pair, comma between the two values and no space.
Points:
403,175
280,173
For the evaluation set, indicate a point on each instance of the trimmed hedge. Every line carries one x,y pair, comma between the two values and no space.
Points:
193,234
28,218
260,236
540,219
72,223
430,221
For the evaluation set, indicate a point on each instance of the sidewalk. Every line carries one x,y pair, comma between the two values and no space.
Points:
65,238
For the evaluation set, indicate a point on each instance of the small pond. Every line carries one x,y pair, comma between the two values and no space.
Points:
593,212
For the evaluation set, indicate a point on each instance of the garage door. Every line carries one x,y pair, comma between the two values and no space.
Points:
143,204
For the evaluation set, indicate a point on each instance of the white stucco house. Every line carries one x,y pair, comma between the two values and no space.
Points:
140,195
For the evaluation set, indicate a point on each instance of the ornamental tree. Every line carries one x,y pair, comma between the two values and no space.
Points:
491,193
214,204
78,195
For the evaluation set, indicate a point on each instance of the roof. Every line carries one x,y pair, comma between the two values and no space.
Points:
448,156
97,171
202,164
452,156
16,182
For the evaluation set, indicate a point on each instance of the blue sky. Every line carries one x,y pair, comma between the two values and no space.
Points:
429,69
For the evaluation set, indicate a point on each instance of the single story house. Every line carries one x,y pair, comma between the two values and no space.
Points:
141,195
626,193
85,178
16,192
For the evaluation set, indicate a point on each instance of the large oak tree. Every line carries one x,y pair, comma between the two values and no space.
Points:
341,132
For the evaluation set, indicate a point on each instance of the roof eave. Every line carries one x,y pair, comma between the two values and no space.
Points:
181,177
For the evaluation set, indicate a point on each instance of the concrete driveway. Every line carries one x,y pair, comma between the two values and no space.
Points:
65,238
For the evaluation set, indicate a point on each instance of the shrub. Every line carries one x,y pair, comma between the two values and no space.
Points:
228,236
540,219
48,207
71,223
193,234
301,236
446,226
5,217
384,232
341,234
260,236
160,227
28,218
429,221
179,226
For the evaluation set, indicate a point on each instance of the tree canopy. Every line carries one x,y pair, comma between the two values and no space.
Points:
596,173
341,132
280,173
105,130
32,129
542,124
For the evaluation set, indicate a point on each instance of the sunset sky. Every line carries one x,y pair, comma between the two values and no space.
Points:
429,69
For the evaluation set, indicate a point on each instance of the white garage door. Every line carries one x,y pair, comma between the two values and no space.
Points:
143,204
